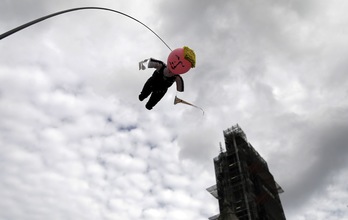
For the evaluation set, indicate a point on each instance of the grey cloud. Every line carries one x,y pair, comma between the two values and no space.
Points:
273,67
324,151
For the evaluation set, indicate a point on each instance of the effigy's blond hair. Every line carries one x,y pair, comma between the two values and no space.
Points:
190,56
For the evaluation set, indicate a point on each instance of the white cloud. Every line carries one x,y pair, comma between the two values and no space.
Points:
76,142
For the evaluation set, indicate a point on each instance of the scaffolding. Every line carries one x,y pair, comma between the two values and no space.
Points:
245,188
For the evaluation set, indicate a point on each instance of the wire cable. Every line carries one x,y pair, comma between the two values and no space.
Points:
19,28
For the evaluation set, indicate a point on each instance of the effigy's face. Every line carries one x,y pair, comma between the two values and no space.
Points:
176,62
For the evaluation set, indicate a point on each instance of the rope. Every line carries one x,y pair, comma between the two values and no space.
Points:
19,28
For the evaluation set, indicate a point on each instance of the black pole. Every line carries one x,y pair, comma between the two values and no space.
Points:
10,32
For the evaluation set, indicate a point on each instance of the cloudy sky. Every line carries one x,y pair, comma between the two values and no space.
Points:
76,143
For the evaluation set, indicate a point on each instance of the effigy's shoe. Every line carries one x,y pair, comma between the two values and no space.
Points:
141,98
149,107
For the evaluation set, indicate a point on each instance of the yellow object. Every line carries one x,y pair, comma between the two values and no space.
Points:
190,56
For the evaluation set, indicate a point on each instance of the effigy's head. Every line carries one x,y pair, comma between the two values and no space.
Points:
181,60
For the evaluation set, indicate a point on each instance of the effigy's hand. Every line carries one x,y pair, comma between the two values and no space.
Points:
141,64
